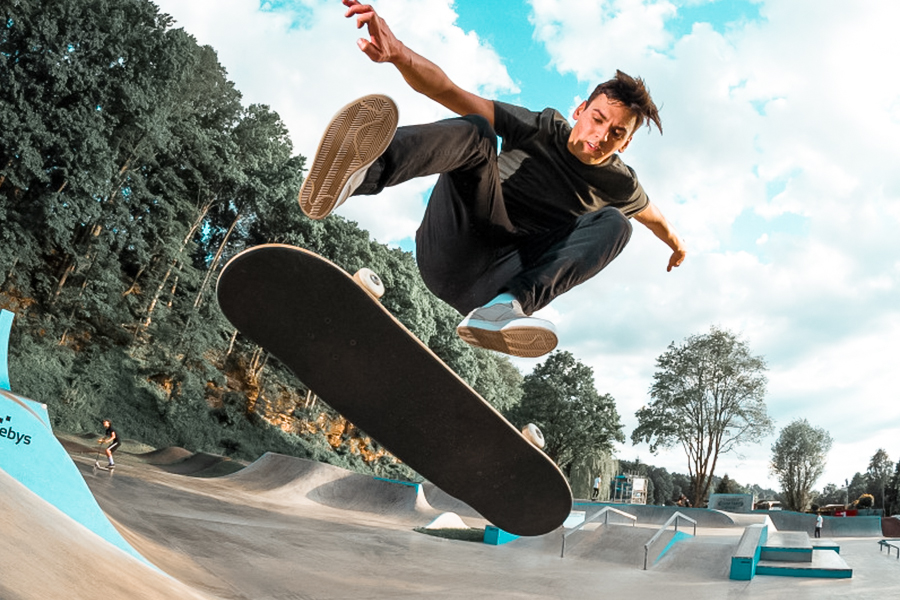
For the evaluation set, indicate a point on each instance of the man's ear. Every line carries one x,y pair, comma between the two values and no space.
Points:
579,110
625,145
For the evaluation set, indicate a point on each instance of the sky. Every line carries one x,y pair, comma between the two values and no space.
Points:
777,167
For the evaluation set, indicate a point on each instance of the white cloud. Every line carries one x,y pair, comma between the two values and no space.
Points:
803,97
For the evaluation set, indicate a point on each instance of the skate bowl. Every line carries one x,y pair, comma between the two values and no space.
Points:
294,482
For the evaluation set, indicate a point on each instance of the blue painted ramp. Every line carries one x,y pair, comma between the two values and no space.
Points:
31,454
6,319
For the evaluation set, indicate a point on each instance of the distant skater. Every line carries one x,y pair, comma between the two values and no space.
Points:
112,439
819,522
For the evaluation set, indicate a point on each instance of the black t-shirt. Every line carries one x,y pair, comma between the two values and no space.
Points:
111,432
544,185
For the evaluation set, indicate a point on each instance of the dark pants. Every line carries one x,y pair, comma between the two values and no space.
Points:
467,249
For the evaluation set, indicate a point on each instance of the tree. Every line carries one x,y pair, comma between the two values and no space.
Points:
798,460
878,475
831,494
728,486
560,398
892,494
857,486
708,396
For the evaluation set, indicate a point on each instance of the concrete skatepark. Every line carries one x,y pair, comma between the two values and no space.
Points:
289,528
171,524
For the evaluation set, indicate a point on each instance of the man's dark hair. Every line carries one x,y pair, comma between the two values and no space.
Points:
631,92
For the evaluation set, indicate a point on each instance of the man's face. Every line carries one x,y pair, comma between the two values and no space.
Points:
601,129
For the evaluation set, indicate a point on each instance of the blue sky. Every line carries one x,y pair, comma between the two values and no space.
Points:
777,167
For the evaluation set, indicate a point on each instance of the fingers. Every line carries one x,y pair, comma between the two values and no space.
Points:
355,8
676,259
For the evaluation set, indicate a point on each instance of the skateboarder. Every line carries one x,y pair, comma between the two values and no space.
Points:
112,439
505,234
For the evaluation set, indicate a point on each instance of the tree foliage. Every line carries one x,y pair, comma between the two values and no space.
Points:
559,397
879,475
892,494
707,396
130,172
798,460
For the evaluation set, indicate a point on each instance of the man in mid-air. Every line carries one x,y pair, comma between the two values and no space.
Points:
503,234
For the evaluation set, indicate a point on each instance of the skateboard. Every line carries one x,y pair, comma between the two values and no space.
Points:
338,339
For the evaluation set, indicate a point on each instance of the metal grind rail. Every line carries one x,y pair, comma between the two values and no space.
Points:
603,512
673,519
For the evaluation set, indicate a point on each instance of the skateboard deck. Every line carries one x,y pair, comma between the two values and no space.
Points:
349,350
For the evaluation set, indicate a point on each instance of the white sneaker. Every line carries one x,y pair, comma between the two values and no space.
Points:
506,328
357,135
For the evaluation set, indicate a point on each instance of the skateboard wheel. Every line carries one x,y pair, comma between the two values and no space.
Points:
370,282
533,435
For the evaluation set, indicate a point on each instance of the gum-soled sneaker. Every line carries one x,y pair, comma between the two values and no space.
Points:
357,135
505,328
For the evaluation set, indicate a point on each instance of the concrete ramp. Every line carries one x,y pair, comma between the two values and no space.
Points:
704,556
444,502
46,554
620,544
31,454
295,481
832,527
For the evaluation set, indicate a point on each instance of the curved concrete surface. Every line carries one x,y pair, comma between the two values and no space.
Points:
269,534
832,526
46,554
31,454
295,481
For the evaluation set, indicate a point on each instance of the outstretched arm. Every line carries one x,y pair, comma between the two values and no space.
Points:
421,74
653,219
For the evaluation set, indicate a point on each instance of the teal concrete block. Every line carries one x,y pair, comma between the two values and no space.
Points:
496,536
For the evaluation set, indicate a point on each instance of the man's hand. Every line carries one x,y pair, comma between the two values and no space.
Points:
382,45
421,74
676,259
652,218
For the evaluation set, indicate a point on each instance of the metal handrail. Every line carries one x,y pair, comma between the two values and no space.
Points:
677,515
603,511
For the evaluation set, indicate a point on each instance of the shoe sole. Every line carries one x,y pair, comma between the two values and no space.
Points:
525,342
357,135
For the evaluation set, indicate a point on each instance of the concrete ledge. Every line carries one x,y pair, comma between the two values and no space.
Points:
825,564
789,546
746,556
